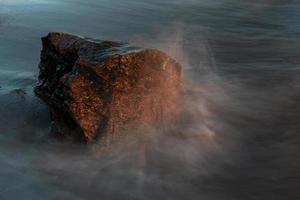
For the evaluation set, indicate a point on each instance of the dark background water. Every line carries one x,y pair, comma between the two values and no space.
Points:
241,66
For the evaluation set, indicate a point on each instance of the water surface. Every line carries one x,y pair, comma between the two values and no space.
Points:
241,67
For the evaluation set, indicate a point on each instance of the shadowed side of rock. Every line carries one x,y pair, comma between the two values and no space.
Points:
103,88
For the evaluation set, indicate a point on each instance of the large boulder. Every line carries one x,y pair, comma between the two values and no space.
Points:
104,88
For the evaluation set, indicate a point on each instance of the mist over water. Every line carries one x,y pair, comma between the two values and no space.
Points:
239,139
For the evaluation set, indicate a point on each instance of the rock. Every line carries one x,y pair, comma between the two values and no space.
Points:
103,88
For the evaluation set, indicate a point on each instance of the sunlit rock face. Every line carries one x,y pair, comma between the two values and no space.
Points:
102,89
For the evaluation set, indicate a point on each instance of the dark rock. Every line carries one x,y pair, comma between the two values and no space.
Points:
103,88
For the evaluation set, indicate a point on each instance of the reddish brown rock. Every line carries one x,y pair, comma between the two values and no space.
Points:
103,88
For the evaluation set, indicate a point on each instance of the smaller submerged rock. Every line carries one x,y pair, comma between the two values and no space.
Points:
104,88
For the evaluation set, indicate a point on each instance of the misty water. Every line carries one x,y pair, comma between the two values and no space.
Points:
242,77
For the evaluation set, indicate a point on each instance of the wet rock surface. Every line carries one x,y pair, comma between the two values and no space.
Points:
103,88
